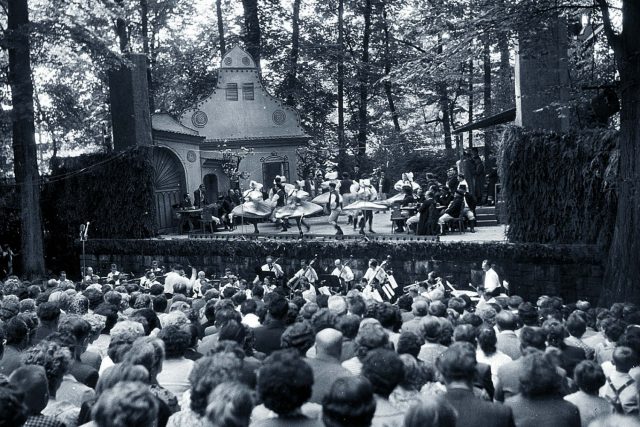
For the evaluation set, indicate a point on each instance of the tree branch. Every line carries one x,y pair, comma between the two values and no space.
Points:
408,43
614,39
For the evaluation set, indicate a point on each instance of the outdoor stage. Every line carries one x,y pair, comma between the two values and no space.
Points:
322,230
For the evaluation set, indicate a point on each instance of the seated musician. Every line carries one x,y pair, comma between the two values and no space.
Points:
407,201
270,266
148,280
114,274
412,221
309,292
453,211
306,271
186,202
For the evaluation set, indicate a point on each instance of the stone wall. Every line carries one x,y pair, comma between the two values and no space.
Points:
571,271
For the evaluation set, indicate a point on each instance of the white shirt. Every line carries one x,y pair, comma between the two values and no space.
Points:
277,270
173,279
251,320
309,273
343,272
491,280
495,360
378,273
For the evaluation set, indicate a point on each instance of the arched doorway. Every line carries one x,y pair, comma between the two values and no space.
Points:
169,185
211,184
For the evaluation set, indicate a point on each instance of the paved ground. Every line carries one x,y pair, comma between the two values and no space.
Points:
381,225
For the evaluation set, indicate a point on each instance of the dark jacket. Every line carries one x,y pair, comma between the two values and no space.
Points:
473,411
268,336
325,372
471,201
428,215
384,185
84,373
452,183
199,202
543,412
456,205
345,186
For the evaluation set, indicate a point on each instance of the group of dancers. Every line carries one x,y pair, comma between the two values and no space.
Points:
357,199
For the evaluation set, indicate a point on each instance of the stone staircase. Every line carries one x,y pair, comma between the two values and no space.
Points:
486,216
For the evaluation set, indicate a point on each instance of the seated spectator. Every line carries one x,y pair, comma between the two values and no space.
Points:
570,355
285,383
31,382
14,412
589,377
620,388
79,330
149,352
249,317
56,361
97,324
126,404
457,366
416,375
612,331
349,403
540,402
371,336
576,325
431,349
326,363
230,405
507,340
206,375
419,309
176,369
435,412
488,353
268,336
299,336
123,334
410,343
16,334
49,314
483,379
348,325
385,370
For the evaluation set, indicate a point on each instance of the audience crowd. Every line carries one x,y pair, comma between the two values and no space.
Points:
233,354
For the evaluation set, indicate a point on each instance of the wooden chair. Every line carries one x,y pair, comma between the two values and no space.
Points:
396,216
208,220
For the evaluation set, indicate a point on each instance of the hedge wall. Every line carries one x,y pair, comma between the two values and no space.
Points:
559,188
115,194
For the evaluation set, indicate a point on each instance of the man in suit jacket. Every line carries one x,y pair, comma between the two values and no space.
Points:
326,365
508,341
17,336
200,197
482,378
268,336
457,366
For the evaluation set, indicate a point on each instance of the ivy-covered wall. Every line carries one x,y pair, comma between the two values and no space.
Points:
114,192
559,188
570,271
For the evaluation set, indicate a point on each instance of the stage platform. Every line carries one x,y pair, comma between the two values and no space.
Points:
322,231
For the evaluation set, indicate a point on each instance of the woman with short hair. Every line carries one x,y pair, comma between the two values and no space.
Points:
589,377
371,336
488,353
126,404
230,405
174,375
416,375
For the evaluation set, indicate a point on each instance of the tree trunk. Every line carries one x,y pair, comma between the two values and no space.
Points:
223,47
253,35
487,101
144,20
25,151
342,150
446,119
364,80
504,89
121,28
387,70
291,79
470,100
623,269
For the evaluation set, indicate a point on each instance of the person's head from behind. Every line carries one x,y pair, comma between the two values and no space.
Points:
329,343
48,312
487,340
348,325
299,336
176,341
285,381
576,325
147,352
16,333
31,381
384,369
465,333
532,337
230,405
409,343
13,411
55,360
126,404
589,377
371,336
624,358
278,307
349,403
458,363
434,412
416,373
506,321
539,377
119,373
208,373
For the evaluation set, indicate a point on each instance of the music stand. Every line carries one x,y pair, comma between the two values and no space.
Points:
329,280
269,274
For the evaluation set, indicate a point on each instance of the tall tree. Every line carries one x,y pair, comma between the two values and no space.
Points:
24,142
223,47
386,37
252,32
121,27
470,88
342,149
291,78
144,24
623,268
487,102
363,78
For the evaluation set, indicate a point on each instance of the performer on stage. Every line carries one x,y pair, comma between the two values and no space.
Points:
343,272
298,207
279,197
335,207
270,266
374,272
367,194
200,197
492,286
347,195
149,280
254,206
114,274
407,180
306,271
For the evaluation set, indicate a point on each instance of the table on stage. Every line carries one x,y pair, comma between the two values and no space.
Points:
186,215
